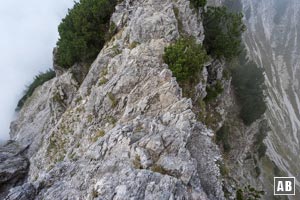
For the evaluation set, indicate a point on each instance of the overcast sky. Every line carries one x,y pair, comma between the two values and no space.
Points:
27,36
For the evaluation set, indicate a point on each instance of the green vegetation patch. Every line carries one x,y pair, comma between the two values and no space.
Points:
83,31
133,45
224,171
39,80
198,3
186,59
137,162
102,81
248,193
222,138
112,98
248,81
223,30
213,91
99,134
111,120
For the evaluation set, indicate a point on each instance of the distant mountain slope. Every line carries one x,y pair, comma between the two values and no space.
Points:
273,41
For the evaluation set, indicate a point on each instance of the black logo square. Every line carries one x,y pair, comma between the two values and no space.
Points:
284,185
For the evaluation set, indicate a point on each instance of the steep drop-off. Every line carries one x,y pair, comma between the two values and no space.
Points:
273,42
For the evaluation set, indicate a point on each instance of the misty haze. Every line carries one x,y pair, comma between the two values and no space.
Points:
28,36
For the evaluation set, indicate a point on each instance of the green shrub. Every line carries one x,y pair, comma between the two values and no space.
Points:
248,82
185,59
213,91
249,193
40,79
223,31
83,31
198,3
239,194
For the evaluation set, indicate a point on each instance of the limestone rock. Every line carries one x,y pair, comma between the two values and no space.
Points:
13,166
125,132
24,192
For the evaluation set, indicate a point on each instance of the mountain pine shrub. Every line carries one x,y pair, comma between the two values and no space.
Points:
83,31
223,31
248,82
186,59
198,3
39,80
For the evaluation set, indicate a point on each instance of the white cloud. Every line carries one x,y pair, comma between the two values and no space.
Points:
27,36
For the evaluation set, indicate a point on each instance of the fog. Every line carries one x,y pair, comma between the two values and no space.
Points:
27,36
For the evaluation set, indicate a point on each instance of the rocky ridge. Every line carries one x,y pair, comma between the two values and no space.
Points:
126,132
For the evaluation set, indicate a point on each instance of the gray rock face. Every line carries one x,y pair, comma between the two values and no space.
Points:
24,192
126,132
13,166
43,110
215,71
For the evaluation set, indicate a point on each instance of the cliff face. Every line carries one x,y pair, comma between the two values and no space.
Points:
272,40
13,167
126,132
123,130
